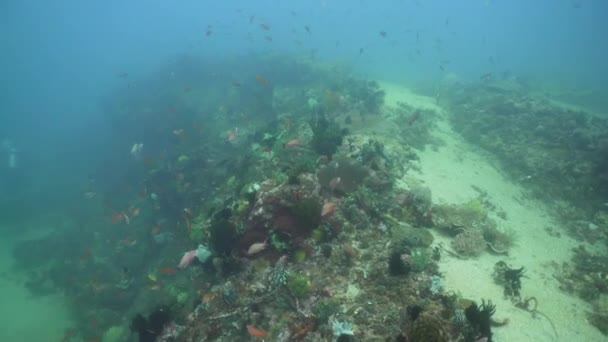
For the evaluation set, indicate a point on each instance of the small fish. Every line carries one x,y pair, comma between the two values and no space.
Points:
328,209
179,132
268,38
383,34
261,79
122,75
253,331
307,28
208,31
333,184
265,27
257,247
167,270
292,143
152,277
188,211
236,84
118,217
136,149
266,149
232,134
187,259
361,50
90,194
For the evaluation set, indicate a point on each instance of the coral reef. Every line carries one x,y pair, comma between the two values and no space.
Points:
327,136
349,174
469,243
527,133
427,328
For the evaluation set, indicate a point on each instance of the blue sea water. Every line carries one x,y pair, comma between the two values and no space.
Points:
60,61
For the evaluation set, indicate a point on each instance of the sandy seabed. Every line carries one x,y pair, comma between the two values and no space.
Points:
450,171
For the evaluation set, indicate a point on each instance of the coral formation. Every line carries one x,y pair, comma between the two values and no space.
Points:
350,173
428,328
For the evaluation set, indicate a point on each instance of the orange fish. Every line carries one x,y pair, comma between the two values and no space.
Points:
118,217
328,209
293,143
168,270
261,79
253,331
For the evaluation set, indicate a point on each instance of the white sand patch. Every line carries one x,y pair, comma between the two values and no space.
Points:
450,171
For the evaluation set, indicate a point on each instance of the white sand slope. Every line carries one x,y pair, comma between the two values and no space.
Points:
450,171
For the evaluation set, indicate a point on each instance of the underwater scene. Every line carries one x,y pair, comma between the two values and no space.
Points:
322,170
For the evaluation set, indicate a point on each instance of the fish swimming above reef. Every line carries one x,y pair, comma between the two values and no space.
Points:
136,149
257,247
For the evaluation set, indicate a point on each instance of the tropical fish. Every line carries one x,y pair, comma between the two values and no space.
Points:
261,79
187,259
293,143
231,136
167,270
253,331
118,217
257,247
328,209
333,184
136,149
